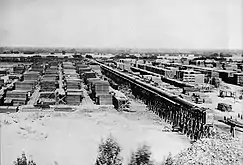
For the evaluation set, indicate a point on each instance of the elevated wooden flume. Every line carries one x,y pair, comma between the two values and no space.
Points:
190,119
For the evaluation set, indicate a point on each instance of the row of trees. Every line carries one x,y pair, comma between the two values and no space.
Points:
109,154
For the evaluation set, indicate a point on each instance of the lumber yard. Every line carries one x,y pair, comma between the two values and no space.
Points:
177,95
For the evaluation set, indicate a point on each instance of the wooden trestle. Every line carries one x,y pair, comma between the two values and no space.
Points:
190,119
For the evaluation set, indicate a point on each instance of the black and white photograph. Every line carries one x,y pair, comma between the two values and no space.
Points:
121,82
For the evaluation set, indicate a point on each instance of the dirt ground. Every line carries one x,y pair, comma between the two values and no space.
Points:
237,108
73,138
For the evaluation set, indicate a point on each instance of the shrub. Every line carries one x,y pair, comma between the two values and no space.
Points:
109,151
23,161
141,156
169,160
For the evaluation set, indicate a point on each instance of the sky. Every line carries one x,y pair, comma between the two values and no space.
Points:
177,24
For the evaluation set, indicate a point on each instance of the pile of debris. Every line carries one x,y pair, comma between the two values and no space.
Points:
220,149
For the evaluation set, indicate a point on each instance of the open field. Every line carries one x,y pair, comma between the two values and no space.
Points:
73,138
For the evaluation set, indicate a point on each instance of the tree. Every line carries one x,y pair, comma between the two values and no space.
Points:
23,161
109,151
169,160
141,156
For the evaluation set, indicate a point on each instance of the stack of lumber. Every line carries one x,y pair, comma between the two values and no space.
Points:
68,65
169,73
82,70
8,109
46,101
238,79
54,67
19,97
8,102
25,85
15,76
104,99
88,75
48,85
31,75
64,109
50,76
50,95
101,87
81,65
37,68
79,91
70,73
90,82
119,99
74,98
17,94
100,91
51,72
73,83
199,78
19,69
96,68
53,63
3,71
30,108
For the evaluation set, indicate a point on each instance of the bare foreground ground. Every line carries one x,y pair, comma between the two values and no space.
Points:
73,138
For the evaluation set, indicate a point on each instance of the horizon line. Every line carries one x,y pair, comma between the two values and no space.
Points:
125,48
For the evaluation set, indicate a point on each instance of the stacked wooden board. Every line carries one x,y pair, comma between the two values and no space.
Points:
73,84
96,69
8,109
199,78
37,67
238,79
73,98
48,85
31,75
100,92
19,97
88,75
47,98
100,87
104,99
25,85
8,102
19,69
15,76
49,80
90,81
119,100
82,70
50,95
64,109
3,71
